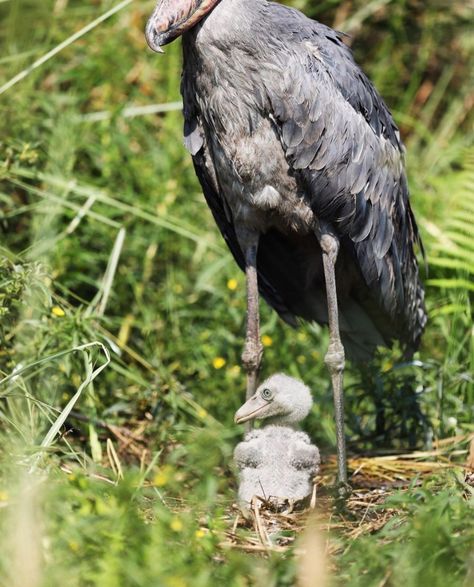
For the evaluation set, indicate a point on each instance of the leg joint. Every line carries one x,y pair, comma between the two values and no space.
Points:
252,355
329,245
335,357
327,237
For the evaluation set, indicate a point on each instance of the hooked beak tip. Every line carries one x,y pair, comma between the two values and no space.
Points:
154,46
152,38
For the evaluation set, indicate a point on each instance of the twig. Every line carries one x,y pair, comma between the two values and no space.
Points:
259,527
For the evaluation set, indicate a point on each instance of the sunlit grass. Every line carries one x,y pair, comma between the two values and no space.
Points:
124,476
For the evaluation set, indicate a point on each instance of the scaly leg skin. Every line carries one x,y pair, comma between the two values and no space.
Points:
334,358
253,349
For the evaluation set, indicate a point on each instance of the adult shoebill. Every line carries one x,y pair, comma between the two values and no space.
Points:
302,167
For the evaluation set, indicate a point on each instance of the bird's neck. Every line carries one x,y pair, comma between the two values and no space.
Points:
223,22
285,421
203,9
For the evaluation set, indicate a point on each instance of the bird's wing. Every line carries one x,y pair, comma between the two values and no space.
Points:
248,454
304,456
196,143
343,146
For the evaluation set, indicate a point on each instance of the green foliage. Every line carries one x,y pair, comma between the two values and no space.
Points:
453,241
425,543
105,238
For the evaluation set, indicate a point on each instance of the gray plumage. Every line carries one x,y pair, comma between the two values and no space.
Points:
303,169
276,462
284,128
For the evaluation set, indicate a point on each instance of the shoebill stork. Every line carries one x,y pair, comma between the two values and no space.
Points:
302,167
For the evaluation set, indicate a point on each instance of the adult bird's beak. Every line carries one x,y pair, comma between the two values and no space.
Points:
171,18
255,407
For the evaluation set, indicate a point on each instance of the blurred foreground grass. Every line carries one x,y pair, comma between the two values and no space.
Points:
105,238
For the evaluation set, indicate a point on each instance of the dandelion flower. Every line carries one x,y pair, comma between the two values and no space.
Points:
202,413
218,362
163,476
176,525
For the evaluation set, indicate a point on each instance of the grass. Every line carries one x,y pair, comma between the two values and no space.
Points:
117,470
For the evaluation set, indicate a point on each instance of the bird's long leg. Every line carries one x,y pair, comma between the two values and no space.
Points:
253,349
334,358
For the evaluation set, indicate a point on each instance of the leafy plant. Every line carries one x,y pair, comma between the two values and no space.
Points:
105,237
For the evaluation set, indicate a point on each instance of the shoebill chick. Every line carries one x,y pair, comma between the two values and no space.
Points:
276,462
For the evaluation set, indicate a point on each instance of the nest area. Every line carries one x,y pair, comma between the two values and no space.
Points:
373,479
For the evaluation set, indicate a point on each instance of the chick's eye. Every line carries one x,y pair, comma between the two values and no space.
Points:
266,393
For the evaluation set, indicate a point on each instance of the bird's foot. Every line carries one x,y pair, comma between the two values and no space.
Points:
288,506
341,492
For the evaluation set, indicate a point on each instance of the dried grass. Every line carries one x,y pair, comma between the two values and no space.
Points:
374,480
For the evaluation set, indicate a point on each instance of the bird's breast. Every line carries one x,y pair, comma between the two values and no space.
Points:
240,136
252,171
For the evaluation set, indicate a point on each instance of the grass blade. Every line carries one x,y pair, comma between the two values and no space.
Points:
69,41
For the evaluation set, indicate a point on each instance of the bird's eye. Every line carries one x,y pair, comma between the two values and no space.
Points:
266,394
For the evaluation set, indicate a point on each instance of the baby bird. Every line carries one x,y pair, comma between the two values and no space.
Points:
278,461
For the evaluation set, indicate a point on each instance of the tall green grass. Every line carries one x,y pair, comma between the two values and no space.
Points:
125,478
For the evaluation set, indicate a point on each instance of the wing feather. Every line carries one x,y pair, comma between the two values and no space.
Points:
341,142
344,150
195,142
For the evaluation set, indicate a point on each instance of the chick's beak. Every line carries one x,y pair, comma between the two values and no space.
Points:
255,407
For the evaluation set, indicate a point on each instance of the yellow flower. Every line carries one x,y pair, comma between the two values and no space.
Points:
301,359
4,496
232,284
267,340
57,311
302,336
201,413
218,362
175,582
74,546
163,476
176,525
387,365
200,533
234,371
